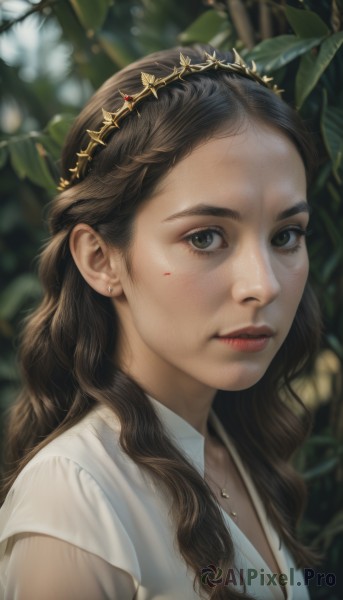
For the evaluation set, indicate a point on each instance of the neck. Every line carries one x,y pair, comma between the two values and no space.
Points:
194,409
184,395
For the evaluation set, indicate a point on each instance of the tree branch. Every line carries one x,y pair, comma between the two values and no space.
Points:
241,21
266,29
34,8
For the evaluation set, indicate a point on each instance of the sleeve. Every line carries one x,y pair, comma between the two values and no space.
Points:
56,497
42,567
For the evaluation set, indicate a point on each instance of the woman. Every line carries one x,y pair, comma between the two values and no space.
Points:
149,448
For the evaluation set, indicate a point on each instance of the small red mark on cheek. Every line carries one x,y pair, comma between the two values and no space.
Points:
166,273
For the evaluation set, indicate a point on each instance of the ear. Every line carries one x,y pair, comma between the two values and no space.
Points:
98,263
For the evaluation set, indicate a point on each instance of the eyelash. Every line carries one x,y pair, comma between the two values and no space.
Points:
299,231
189,237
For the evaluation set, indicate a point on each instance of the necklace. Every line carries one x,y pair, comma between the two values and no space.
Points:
225,495
222,491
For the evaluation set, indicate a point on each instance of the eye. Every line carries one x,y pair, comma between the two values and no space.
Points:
205,240
289,239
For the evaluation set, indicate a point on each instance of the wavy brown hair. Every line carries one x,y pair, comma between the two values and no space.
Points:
69,342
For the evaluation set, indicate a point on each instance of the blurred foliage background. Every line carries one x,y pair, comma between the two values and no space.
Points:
54,53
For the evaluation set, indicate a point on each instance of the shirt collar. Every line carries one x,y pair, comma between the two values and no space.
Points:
187,439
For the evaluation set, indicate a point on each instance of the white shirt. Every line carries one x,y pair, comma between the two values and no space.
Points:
99,527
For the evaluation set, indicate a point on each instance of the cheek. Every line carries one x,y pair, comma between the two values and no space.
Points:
170,311
171,281
294,284
199,293
178,293
301,273
197,289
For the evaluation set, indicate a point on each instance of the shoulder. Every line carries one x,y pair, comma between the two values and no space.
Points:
89,450
71,490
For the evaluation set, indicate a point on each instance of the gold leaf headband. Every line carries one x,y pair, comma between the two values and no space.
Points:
151,84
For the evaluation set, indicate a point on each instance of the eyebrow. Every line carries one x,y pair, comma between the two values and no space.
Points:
207,210
300,207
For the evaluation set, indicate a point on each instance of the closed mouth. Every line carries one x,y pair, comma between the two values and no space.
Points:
247,336
249,333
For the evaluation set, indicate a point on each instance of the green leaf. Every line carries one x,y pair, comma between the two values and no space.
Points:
91,13
307,66
115,49
222,39
72,30
8,371
335,345
17,293
58,127
321,440
332,226
8,394
28,160
305,23
312,68
3,153
332,130
276,52
332,263
204,28
333,528
321,469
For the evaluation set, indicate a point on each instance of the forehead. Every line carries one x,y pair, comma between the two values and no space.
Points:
259,163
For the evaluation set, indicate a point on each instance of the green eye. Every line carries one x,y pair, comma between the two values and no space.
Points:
289,239
283,237
205,241
202,240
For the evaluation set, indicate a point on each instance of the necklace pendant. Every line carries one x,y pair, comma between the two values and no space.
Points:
233,513
224,493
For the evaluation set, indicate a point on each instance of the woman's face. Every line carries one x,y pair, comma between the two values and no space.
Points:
219,248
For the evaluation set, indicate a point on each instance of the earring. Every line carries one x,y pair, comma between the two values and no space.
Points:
109,289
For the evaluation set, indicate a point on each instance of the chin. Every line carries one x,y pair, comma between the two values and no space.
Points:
240,382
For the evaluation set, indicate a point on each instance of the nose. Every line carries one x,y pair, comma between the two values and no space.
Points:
255,279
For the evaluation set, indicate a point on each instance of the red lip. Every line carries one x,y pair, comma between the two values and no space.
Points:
254,332
248,339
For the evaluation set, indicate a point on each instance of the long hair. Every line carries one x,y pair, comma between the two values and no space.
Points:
68,344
